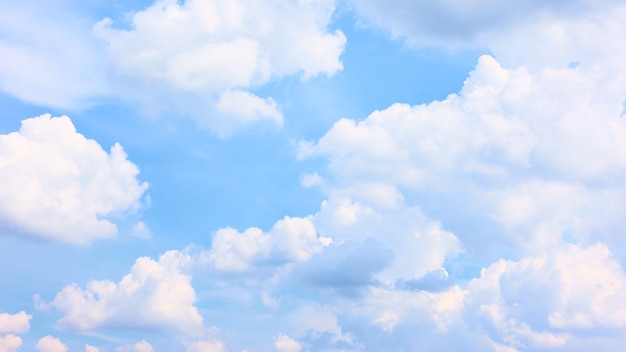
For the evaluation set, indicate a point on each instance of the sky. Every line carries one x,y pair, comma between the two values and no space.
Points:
312,175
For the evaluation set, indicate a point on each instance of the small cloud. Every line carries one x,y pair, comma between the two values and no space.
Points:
310,180
141,230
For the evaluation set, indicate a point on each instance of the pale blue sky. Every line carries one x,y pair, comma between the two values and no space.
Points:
320,176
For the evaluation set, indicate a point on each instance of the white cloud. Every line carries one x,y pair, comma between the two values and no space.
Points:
141,346
50,344
155,294
510,140
540,301
284,343
389,308
290,239
10,343
60,185
208,54
239,108
14,323
418,245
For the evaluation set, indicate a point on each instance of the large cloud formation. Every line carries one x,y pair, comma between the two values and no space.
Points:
525,159
511,141
59,185
196,58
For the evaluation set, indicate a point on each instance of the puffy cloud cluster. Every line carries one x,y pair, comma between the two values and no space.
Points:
217,50
541,301
291,239
11,324
59,185
515,142
528,159
204,56
155,294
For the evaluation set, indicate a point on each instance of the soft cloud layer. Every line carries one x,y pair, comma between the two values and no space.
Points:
55,64
462,23
155,294
59,185
206,346
214,50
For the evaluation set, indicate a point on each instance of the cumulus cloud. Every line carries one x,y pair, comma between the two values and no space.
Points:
50,344
10,343
14,323
418,244
141,346
290,239
60,185
155,294
284,343
11,324
215,51
573,289
90,348
514,141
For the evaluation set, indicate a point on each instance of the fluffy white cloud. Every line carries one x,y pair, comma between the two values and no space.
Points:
50,344
11,324
513,141
213,50
389,308
59,185
284,343
14,323
10,343
155,294
290,239
141,346
538,302
418,244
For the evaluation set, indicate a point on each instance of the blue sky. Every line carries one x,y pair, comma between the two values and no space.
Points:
315,175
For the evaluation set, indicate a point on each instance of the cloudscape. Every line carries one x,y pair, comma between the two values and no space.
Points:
312,175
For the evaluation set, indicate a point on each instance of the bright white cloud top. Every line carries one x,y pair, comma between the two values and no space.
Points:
59,185
490,218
